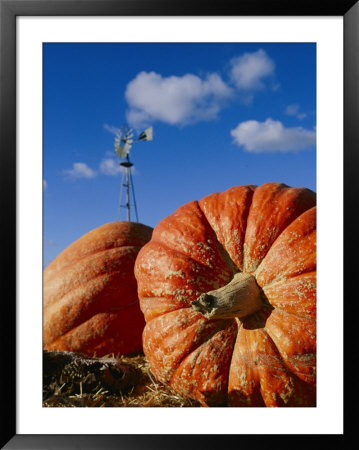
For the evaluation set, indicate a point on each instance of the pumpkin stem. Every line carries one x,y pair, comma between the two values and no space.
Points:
239,298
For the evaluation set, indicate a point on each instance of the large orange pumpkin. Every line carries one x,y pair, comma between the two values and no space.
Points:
227,285
90,300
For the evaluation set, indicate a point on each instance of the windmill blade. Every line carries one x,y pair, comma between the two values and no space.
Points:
121,152
126,148
123,142
146,135
128,135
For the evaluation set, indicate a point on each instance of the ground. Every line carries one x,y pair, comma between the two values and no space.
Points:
72,380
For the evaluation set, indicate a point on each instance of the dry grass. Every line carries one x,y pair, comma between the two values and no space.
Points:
144,391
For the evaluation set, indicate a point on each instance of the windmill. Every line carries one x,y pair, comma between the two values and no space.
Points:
123,142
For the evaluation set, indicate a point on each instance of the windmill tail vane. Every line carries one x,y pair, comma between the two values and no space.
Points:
123,143
146,135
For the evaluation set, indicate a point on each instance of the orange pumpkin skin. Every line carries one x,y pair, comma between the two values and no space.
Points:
267,358
90,302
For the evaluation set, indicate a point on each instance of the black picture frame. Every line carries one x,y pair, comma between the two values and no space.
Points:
9,10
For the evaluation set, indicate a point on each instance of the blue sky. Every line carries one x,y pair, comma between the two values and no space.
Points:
222,115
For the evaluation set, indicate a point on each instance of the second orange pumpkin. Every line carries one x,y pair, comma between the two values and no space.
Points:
90,300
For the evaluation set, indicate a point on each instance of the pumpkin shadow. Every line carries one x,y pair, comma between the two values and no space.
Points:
258,319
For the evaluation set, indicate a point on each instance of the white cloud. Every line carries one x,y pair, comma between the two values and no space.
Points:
174,100
110,167
44,184
271,136
180,100
293,110
80,170
248,70
111,128
301,116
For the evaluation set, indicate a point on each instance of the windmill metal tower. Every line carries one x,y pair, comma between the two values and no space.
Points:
123,143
